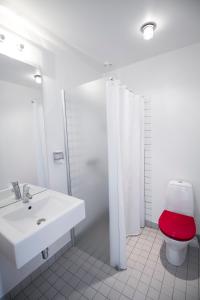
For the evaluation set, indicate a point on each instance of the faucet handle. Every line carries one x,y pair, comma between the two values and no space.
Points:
26,188
15,183
16,189
26,194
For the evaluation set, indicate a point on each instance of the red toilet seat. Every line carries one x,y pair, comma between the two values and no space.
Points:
177,226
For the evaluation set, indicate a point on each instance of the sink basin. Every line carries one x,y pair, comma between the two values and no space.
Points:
25,218
27,229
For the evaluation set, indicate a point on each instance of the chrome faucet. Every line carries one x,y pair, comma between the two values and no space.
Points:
26,195
16,190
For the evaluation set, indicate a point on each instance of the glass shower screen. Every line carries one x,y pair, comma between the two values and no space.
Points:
87,147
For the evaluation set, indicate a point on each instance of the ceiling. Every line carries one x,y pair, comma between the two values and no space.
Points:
109,30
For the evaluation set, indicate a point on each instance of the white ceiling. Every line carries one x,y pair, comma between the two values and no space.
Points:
109,30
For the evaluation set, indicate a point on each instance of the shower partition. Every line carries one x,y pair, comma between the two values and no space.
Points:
86,155
105,165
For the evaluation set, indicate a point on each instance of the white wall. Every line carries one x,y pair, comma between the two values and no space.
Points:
18,157
171,81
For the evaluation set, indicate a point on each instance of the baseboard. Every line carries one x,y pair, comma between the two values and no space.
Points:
151,224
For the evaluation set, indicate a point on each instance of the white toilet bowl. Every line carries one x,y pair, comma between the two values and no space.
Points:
177,222
176,251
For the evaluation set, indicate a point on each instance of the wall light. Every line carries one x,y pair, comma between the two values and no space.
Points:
38,78
148,30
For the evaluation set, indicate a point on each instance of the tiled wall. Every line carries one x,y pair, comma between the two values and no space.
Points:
148,159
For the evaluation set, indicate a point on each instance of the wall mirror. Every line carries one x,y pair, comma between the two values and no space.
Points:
22,135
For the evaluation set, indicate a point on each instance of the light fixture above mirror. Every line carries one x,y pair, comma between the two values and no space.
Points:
2,37
38,78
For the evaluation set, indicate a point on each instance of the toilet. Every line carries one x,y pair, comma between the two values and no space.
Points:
177,221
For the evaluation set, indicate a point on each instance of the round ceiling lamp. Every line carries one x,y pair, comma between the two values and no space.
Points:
148,30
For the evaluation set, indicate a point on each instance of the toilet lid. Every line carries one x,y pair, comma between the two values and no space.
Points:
177,226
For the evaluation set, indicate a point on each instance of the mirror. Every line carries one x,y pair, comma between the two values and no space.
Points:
22,142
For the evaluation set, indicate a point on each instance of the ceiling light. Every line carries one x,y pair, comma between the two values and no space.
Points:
38,78
20,47
107,64
2,37
148,30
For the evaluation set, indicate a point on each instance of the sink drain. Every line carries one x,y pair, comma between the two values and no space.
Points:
41,221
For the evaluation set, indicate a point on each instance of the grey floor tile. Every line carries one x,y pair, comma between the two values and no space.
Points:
35,295
43,298
83,298
30,289
82,273
153,294
74,296
113,295
89,293
104,289
110,281
44,287
52,279
163,296
59,284
156,284
128,292
139,296
99,296
67,290
122,297
38,281
118,286
50,293
178,295
59,297
133,282
142,288
20,296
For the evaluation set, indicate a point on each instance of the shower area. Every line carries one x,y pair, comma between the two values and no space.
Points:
104,141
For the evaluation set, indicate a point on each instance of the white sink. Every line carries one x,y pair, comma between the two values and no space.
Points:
27,229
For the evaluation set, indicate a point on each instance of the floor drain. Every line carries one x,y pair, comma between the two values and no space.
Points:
40,221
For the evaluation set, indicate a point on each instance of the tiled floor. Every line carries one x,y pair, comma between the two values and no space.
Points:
89,241
79,275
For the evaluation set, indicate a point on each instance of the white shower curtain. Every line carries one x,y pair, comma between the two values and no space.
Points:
126,168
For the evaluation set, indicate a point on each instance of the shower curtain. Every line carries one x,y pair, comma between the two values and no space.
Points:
126,167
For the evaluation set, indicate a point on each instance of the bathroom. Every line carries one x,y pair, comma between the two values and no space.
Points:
100,143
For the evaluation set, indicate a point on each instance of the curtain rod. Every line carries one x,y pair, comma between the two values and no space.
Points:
112,79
